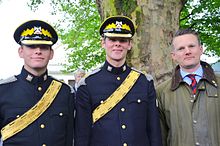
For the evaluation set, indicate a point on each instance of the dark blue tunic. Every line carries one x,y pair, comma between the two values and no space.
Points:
53,128
134,121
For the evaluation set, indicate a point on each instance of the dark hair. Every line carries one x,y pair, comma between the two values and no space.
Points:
187,31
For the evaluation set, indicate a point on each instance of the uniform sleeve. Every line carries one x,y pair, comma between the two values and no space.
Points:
83,121
153,124
163,124
70,125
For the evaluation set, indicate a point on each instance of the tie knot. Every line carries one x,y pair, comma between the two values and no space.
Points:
194,83
192,76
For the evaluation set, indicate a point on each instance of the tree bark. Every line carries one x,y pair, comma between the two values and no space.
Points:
156,21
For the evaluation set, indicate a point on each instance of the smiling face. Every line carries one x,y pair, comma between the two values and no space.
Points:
187,52
36,58
116,50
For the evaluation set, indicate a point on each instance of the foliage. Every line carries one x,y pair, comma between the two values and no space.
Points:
82,21
82,35
204,16
78,29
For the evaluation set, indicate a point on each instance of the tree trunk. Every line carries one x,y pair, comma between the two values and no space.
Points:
156,21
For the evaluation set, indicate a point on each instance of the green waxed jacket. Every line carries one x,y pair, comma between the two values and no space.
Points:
188,120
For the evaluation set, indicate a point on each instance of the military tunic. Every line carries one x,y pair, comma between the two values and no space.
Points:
134,121
53,128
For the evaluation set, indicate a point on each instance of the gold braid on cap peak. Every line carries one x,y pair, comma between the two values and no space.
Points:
113,25
32,31
27,32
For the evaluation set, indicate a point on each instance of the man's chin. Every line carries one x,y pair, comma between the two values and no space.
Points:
190,66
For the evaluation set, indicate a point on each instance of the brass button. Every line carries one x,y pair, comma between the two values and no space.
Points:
118,78
123,126
139,101
17,116
44,145
39,88
42,126
125,144
61,114
101,101
122,109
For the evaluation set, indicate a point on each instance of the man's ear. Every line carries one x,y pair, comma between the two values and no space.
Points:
51,54
20,52
102,40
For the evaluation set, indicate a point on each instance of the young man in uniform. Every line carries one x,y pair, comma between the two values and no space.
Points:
35,108
116,104
189,102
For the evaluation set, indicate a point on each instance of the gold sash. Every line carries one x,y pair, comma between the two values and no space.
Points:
116,96
32,114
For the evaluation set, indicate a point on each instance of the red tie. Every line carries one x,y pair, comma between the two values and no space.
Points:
194,83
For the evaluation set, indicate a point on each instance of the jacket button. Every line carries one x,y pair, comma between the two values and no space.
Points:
44,145
61,114
42,126
39,88
122,109
194,121
118,78
123,126
197,143
125,144
139,101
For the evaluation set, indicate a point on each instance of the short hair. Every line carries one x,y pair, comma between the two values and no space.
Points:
79,71
186,31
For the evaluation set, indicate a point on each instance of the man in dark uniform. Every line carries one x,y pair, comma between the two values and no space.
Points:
35,108
115,104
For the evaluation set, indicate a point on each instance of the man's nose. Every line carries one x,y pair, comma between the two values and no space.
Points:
187,50
37,49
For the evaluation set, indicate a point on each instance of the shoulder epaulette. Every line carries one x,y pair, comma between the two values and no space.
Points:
82,81
137,70
71,88
8,80
148,76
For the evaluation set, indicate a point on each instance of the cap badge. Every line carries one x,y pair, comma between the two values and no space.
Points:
118,24
36,30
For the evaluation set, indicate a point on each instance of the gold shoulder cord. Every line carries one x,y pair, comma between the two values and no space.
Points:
116,96
32,114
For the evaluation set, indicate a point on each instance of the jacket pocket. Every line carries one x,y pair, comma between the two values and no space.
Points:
13,114
137,105
58,119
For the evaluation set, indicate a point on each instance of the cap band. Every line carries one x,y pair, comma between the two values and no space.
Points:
118,35
36,42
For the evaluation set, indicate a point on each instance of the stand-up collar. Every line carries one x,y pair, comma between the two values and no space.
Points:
208,74
115,70
25,75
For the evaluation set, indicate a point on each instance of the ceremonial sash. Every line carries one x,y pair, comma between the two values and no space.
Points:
32,114
116,96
